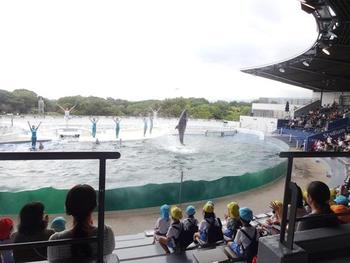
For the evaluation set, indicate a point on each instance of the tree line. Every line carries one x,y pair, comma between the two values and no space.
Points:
22,101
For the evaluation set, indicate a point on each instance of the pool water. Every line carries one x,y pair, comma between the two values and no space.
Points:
156,160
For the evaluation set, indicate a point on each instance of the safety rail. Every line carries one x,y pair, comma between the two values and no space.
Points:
102,157
290,195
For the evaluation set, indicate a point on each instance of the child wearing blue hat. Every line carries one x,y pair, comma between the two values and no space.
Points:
246,237
163,222
58,224
341,206
190,211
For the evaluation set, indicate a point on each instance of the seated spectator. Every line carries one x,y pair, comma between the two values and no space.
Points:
190,212
32,227
344,190
245,244
318,197
277,209
58,224
233,222
80,203
191,223
210,228
341,206
170,240
6,228
333,194
163,223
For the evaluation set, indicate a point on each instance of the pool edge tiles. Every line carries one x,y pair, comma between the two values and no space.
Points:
148,195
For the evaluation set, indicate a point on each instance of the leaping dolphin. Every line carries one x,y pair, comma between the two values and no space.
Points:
181,126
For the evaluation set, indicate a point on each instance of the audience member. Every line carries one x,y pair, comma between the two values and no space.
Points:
32,227
6,228
191,223
344,191
318,197
210,228
245,244
80,203
170,240
277,209
163,223
233,222
58,224
341,206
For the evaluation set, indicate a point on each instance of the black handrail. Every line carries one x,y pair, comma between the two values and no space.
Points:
101,156
51,243
290,194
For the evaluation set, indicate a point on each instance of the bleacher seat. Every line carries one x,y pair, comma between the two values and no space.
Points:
140,252
145,241
231,255
210,255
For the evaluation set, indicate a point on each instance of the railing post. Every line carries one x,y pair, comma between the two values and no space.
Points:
292,214
286,199
101,209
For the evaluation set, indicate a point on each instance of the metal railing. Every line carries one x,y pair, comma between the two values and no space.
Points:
102,157
291,192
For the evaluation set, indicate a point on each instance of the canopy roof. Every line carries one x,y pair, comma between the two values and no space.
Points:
314,69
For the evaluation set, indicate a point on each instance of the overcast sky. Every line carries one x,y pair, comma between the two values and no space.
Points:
150,49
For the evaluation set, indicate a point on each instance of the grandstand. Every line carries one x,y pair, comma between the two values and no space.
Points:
324,69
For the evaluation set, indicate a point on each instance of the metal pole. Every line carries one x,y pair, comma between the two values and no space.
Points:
292,214
286,199
101,209
180,192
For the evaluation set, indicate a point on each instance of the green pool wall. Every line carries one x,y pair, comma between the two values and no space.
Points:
147,195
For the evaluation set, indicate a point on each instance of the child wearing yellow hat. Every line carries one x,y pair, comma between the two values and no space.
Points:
233,222
210,228
169,241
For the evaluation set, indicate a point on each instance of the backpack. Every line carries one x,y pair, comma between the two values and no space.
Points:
190,226
214,231
252,249
185,238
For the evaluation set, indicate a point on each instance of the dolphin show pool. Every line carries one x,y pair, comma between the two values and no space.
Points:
150,170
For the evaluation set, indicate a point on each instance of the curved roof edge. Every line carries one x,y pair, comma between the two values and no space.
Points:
326,65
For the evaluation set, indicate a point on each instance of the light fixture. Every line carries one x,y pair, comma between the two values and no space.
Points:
332,35
326,51
306,64
325,48
282,70
307,8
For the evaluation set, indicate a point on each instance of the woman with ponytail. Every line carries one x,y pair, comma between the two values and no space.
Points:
80,203
318,196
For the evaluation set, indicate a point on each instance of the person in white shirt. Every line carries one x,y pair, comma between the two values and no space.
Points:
80,203
163,223
169,241
242,241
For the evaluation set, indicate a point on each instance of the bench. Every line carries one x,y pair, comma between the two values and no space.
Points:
210,255
140,252
145,241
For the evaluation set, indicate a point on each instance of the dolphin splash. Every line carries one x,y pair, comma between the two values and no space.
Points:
181,126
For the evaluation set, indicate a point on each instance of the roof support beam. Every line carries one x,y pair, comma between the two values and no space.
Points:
321,74
288,81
